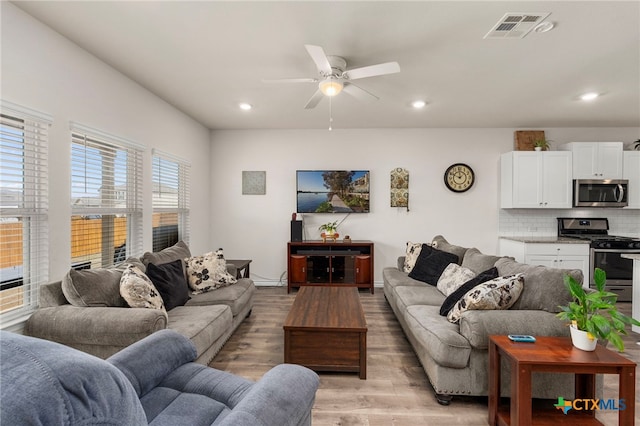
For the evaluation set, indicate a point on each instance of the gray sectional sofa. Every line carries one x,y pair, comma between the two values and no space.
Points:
92,317
455,355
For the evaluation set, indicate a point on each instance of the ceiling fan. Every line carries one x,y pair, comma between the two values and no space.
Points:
334,77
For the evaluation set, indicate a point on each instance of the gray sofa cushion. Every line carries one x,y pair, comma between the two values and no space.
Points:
477,326
477,261
417,295
235,296
440,338
93,287
543,286
395,277
202,324
179,250
441,243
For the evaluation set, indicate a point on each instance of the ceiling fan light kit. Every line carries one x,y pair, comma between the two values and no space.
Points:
331,87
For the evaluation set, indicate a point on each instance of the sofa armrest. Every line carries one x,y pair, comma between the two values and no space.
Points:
477,325
74,325
284,396
147,362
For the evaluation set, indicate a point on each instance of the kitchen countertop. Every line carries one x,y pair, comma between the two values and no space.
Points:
546,240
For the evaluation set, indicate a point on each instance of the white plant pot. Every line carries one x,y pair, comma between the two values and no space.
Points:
581,339
538,148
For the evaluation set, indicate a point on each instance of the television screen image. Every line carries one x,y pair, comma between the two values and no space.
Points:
332,191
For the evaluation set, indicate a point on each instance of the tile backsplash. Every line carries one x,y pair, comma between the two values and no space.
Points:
543,223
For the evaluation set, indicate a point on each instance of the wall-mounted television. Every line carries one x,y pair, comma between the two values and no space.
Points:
332,191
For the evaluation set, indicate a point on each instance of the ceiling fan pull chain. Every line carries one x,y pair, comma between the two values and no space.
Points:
330,115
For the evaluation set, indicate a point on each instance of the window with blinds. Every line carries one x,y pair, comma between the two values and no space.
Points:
106,198
171,190
24,243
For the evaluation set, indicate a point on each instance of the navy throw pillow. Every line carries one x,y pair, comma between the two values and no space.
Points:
430,264
453,298
171,283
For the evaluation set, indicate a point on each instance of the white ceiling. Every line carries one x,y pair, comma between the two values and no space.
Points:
206,57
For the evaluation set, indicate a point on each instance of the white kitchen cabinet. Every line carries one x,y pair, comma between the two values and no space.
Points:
554,255
596,160
631,172
531,179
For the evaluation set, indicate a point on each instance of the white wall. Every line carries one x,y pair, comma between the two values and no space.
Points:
257,226
44,71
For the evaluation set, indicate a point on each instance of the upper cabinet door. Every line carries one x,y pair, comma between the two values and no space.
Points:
596,160
534,180
556,182
610,160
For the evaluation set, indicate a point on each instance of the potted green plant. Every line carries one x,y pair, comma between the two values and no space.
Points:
594,313
328,230
541,145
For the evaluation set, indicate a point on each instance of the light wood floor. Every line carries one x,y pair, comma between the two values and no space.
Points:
396,391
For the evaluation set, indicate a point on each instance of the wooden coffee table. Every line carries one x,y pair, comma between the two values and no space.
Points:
326,330
555,354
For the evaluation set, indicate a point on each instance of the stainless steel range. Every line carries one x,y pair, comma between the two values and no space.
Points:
605,251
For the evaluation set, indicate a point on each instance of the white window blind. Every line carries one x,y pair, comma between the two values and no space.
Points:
170,177
24,237
106,198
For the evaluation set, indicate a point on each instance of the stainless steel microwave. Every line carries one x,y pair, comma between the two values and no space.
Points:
600,192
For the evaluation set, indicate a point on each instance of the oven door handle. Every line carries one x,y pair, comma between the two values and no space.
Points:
620,196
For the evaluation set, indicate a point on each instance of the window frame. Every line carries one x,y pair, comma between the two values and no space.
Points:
178,171
87,141
30,169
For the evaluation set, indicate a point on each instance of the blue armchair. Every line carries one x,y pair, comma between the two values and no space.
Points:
154,381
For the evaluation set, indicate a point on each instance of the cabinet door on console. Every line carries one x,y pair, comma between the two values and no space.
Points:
298,269
363,269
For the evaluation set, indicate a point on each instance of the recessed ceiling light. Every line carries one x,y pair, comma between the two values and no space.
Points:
418,104
589,96
245,106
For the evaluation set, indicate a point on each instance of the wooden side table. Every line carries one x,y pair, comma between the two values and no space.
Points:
242,267
555,354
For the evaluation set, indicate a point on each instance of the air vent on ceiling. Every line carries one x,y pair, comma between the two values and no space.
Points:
516,25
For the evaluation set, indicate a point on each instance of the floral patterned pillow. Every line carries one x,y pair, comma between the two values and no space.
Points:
453,277
208,272
499,293
138,290
412,253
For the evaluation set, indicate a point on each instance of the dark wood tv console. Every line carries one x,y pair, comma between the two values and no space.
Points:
331,263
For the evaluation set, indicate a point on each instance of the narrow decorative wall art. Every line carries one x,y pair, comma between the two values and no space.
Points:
400,188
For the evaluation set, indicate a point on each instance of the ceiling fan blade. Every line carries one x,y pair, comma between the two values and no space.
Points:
373,70
317,97
359,93
319,57
291,80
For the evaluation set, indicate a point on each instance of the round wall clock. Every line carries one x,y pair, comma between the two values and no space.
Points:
459,177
